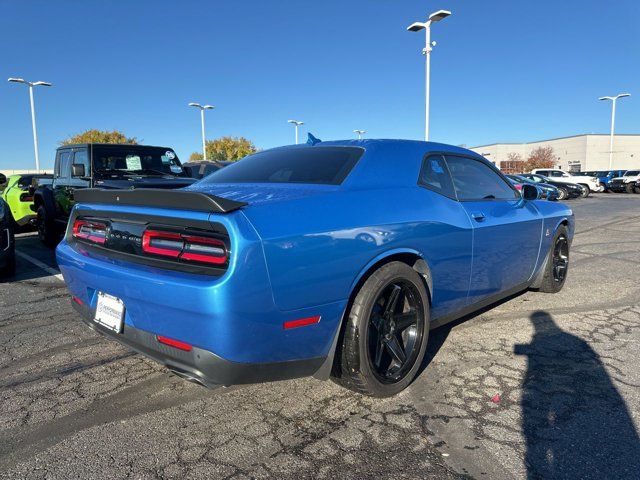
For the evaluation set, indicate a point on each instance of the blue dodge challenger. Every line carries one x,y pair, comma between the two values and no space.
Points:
333,259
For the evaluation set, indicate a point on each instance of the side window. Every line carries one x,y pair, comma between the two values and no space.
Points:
555,173
474,180
80,157
435,176
64,165
542,172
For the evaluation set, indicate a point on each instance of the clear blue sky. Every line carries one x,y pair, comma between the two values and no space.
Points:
503,71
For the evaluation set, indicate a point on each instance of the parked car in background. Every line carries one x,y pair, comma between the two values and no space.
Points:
591,184
18,193
566,191
547,192
199,170
288,264
626,182
107,166
7,242
603,176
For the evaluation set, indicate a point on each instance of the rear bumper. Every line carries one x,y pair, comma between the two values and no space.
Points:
199,365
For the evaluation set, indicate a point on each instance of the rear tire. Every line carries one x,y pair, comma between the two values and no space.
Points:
46,229
557,264
386,334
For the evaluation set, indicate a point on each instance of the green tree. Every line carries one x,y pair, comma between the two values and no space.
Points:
226,149
100,136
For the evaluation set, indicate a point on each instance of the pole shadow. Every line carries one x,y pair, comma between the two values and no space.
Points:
575,422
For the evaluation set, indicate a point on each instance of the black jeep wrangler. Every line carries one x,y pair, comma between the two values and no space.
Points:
96,165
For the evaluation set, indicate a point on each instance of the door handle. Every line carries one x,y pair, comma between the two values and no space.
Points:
478,216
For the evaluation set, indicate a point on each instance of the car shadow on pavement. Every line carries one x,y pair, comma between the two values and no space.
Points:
575,422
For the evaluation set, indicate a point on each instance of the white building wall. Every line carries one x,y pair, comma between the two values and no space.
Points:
584,152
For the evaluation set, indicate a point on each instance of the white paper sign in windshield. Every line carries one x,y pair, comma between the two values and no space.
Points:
134,162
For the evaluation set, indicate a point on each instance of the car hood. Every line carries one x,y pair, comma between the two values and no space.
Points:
261,193
143,182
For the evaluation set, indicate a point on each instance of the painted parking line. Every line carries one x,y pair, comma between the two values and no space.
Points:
39,264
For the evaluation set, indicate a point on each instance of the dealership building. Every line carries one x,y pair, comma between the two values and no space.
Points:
575,153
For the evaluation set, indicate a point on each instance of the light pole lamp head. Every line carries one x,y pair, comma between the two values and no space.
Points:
193,104
295,122
620,95
439,15
360,132
416,26
42,84
17,80
208,107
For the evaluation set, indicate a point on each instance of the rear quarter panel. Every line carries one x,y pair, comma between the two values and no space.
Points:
317,247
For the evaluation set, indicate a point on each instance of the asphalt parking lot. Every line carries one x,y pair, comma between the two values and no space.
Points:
537,386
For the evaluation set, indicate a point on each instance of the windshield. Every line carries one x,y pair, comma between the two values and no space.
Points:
125,159
632,173
311,165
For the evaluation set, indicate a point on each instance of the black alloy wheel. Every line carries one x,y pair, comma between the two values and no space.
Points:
394,341
560,259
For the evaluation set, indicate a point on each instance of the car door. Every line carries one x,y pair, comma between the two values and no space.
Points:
507,230
445,237
61,185
80,156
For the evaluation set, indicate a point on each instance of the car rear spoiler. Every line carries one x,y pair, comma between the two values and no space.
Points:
160,198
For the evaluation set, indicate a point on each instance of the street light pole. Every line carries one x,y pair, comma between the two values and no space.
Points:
296,124
416,27
33,113
613,121
360,133
202,109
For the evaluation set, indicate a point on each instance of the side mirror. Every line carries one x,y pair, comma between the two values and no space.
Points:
3,179
77,170
529,192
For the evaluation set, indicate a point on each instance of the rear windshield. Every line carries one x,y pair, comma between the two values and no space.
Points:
130,159
311,165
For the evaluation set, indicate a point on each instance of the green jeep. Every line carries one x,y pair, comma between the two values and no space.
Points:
18,194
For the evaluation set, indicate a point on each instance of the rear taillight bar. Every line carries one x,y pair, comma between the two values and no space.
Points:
95,232
187,247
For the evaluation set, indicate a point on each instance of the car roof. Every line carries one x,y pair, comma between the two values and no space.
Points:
111,145
390,163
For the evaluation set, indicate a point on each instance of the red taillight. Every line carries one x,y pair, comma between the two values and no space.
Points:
95,232
174,343
26,197
204,249
518,186
301,322
167,244
77,300
191,248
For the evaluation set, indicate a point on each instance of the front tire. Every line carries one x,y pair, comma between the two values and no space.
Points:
557,265
563,193
585,191
386,334
629,188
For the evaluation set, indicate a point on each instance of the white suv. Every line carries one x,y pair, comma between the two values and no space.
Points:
625,183
592,184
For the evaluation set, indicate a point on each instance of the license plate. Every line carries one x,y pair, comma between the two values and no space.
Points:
109,312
